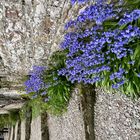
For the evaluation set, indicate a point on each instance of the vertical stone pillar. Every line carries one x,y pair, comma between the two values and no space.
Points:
23,125
12,133
7,135
69,126
78,122
36,129
16,130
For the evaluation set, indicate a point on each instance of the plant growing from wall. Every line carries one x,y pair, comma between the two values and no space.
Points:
9,119
47,87
102,49
107,53
58,87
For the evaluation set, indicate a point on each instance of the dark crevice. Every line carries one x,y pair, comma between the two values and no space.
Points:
23,2
0,83
32,2
88,102
1,62
19,131
28,123
13,138
44,127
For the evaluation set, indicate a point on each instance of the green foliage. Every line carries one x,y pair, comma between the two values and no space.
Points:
4,120
132,4
9,119
131,88
59,91
35,106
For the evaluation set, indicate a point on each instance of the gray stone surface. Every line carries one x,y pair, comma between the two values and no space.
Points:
13,106
36,129
3,111
117,117
11,133
10,100
70,126
6,136
22,136
16,131
30,31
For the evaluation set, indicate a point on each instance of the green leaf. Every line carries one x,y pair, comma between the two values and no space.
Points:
122,27
137,52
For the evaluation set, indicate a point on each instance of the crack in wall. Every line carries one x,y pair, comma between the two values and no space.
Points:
88,101
28,124
44,126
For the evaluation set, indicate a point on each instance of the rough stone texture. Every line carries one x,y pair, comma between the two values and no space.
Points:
70,126
13,106
116,117
30,31
36,129
7,136
3,111
10,93
10,100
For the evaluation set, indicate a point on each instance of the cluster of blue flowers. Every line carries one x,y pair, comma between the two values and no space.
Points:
79,1
130,17
84,1
35,82
93,52
98,13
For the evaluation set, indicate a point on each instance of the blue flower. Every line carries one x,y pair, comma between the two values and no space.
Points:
79,1
138,75
35,83
46,99
129,17
118,75
116,86
94,53
98,12
43,93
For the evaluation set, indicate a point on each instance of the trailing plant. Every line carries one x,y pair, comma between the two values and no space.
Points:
107,53
52,90
32,106
9,119
59,88
102,49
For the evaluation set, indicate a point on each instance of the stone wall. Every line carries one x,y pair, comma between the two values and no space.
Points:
30,31
117,117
